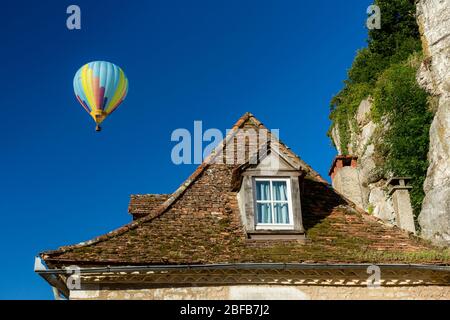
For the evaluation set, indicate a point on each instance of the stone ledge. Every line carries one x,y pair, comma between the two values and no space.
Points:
276,235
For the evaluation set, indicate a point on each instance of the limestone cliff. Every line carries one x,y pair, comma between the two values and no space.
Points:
434,75
404,130
365,133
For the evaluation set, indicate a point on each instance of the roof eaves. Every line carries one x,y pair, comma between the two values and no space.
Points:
241,266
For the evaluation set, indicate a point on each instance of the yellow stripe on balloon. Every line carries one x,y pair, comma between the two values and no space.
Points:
87,87
118,94
83,84
90,81
121,96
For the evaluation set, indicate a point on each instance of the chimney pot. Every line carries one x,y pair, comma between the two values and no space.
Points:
399,190
345,178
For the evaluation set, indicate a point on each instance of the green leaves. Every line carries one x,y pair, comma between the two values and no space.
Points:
398,24
386,70
398,97
343,109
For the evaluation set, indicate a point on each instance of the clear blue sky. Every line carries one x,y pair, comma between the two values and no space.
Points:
62,183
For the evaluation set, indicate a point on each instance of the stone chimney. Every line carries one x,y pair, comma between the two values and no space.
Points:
345,178
399,191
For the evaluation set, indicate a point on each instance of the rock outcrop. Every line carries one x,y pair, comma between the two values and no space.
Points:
375,198
434,76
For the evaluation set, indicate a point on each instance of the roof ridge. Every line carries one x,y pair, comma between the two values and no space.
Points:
162,208
184,186
149,194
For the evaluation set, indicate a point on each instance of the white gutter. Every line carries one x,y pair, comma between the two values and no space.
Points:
246,266
58,286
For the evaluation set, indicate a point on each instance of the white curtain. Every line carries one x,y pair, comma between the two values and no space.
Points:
281,213
279,190
262,190
264,209
280,209
264,213
280,205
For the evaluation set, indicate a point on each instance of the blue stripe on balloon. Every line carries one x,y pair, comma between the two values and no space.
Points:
110,75
78,88
103,74
109,78
114,83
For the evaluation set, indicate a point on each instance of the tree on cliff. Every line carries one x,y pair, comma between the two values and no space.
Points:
385,70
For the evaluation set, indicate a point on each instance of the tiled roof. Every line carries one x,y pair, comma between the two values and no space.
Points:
142,205
200,224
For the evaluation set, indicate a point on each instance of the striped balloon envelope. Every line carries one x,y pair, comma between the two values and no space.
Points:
100,87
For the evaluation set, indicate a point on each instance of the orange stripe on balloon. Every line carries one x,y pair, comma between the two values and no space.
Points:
96,87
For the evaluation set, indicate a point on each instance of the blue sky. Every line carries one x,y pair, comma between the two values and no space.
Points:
62,183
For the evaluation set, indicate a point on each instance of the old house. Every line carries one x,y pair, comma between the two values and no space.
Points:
265,227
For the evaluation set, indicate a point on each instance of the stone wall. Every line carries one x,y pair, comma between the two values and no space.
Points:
266,292
434,75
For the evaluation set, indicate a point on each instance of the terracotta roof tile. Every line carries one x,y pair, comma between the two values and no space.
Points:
142,205
200,224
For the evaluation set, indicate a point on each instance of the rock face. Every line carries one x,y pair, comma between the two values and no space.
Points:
375,198
434,76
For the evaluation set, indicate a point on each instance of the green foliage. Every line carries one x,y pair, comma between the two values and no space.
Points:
366,67
384,70
347,101
399,99
398,27
370,209
397,39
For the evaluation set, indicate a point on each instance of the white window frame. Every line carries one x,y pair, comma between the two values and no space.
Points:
274,226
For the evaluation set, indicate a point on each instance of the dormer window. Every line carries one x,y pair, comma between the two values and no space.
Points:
273,203
269,197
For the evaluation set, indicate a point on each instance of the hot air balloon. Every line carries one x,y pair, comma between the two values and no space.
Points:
100,87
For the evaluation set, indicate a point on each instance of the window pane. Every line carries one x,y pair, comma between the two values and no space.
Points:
281,213
264,213
279,190
262,190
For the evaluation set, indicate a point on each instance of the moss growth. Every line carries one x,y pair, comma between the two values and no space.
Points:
425,256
